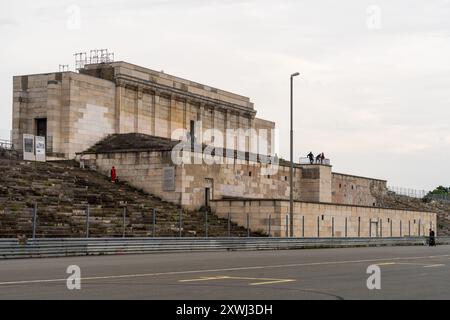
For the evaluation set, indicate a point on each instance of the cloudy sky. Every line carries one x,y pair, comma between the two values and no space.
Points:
374,91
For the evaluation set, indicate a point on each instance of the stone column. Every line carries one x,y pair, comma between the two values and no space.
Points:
138,106
120,91
172,107
153,116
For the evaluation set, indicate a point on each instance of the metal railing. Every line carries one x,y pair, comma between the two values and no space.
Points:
408,192
121,222
419,194
131,221
12,249
7,145
305,160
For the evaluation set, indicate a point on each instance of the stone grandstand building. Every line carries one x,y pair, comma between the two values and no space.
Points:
122,115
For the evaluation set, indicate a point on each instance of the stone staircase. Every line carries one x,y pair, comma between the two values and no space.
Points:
62,192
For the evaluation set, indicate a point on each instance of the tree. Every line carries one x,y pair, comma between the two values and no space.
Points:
441,190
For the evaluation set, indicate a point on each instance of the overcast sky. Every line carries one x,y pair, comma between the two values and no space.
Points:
374,91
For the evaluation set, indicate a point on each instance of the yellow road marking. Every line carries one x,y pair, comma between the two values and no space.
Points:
264,280
204,279
271,282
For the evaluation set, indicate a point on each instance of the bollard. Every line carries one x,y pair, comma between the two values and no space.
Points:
154,223
34,220
88,213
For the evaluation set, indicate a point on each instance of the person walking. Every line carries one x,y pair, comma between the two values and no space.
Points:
432,241
113,175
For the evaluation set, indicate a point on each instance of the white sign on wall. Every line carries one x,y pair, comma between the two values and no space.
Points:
28,147
33,148
40,149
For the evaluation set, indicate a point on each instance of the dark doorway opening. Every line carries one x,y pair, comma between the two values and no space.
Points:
41,128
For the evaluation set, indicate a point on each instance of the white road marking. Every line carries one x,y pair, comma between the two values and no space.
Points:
425,265
434,265
127,276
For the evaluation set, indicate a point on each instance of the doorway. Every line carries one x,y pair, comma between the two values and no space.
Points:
209,184
41,127
374,229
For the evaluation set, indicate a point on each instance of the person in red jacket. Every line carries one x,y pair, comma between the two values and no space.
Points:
113,174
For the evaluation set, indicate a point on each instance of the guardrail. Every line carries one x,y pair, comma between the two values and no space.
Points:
40,248
6,144
325,161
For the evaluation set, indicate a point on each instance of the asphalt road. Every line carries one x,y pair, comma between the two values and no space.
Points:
406,273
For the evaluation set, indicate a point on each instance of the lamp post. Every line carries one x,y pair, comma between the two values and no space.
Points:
291,184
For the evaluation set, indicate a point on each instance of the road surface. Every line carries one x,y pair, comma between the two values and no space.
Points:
406,273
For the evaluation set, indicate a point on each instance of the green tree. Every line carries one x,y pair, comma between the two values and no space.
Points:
441,190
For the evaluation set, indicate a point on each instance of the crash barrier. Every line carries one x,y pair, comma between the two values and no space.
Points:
40,248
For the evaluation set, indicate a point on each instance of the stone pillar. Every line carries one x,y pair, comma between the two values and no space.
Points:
153,116
172,107
120,91
200,120
138,106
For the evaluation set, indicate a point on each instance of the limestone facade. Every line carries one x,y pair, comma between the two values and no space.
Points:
82,108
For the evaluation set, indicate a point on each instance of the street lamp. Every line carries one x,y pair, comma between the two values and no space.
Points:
291,184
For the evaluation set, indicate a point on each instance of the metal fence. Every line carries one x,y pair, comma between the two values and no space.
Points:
419,194
439,197
118,222
131,221
7,145
408,192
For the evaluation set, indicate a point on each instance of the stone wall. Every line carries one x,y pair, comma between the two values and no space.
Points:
354,190
325,220
243,179
79,110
